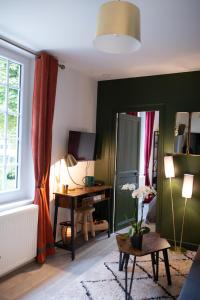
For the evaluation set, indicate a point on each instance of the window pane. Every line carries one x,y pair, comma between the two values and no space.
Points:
14,74
10,94
2,151
13,97
11,151
3,70
2,97
1,178
2,125
10,177
12,127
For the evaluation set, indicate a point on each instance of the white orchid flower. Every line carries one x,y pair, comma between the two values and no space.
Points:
128,187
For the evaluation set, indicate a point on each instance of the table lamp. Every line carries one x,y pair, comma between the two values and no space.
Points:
170,173
70,161
187,194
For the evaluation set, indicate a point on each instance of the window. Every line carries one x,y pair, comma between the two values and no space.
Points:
10,119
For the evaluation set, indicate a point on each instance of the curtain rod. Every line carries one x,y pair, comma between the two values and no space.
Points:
62,67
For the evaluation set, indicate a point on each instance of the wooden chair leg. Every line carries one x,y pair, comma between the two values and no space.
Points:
92,225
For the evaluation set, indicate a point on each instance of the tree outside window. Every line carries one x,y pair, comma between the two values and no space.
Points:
10,87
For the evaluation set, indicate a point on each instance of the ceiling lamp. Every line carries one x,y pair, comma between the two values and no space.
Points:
118,27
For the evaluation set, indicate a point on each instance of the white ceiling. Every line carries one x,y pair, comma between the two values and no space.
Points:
170,35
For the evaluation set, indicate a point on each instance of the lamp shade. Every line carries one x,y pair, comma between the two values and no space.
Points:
187,186
169,167
118,27
70,160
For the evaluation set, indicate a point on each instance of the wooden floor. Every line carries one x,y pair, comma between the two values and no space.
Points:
37,282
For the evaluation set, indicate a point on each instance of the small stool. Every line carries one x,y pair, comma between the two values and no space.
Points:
84,216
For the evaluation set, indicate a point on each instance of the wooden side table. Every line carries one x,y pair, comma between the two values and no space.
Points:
71,200
152,244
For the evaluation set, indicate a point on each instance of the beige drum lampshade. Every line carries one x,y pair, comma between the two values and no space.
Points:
118,27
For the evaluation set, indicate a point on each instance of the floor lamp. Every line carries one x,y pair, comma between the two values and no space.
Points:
187,194
170,173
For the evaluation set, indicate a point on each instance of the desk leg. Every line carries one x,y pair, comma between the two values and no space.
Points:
166,260
72,227
109,218
55,218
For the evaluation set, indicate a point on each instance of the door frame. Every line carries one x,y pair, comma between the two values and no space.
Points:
120,226
113,153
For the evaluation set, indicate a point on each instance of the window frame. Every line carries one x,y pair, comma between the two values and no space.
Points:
25,189
19,115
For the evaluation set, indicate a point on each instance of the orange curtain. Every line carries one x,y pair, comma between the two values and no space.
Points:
46,69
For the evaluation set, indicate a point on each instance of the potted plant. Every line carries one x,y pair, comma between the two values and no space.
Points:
137,230
136,233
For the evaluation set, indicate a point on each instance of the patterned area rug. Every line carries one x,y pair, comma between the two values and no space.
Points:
103,281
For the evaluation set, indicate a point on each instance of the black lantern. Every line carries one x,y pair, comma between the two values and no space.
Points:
66,232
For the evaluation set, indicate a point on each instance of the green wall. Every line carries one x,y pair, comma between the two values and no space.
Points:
168,94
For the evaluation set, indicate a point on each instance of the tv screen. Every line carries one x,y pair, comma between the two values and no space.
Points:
82,145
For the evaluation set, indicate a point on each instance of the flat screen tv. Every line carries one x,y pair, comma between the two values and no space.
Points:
82,145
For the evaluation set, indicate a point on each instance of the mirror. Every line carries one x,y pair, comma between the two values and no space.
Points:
187,133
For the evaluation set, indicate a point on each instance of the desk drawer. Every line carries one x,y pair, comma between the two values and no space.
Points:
65,203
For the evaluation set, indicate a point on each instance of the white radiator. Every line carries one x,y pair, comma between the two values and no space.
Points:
18,236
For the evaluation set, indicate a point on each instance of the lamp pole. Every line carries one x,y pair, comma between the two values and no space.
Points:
187,194
173,219
170,173
183,224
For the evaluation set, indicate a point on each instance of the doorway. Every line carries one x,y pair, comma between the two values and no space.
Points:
131,133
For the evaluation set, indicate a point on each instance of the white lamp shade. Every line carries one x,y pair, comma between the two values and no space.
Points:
118,27
70,160
169,167
187,186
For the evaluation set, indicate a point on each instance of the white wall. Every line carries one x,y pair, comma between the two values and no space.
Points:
75,109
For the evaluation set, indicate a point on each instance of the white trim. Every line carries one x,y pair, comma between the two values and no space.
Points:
8,206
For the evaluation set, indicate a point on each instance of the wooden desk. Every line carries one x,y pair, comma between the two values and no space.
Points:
71,200
152,244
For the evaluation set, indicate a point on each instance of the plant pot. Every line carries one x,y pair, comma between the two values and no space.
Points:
136,241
